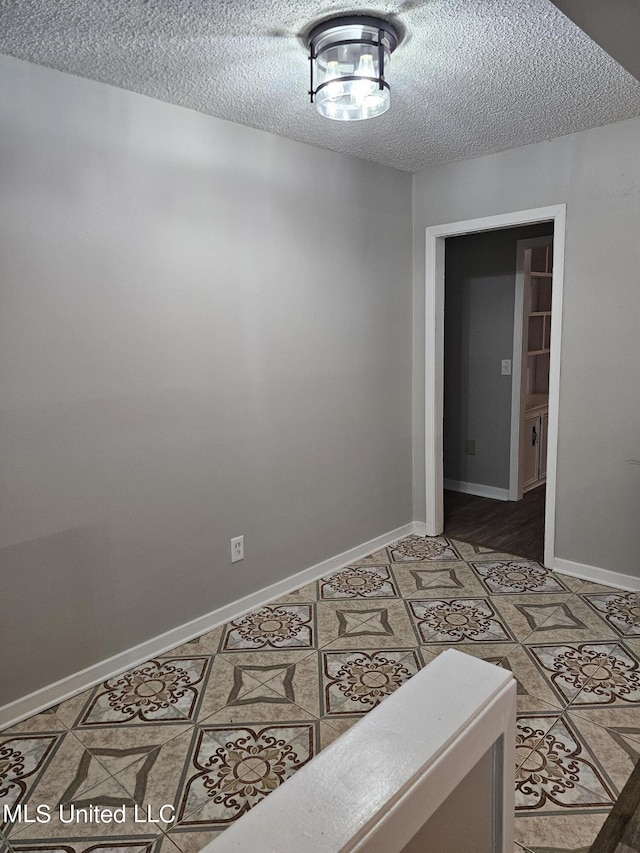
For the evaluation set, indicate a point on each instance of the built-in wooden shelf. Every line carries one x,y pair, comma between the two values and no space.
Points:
536,401
536,350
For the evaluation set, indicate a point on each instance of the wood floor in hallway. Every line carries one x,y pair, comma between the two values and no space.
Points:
513,526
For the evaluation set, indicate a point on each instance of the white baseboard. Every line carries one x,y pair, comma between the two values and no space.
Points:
596,574
69,686
477,489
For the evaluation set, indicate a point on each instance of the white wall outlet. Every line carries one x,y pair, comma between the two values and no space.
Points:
237,549
506,367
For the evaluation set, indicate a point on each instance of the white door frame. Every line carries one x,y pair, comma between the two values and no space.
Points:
519,368
434,356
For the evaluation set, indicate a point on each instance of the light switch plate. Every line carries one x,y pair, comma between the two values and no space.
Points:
506,367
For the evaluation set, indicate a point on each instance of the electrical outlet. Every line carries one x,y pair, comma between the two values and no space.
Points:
237,549
471,447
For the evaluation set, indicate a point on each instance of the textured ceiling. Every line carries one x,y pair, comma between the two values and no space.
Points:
470,77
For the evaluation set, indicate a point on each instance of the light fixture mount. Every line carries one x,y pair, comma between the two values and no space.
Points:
348,56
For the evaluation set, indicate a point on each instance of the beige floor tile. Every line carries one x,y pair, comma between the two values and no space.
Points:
570,667
163,690
574,621
616,755
332,728
25,758
530,731
356,681
437,579
263,678
588,587
296,678
279,710
560,833
516,577
470,552
524,613
491,652
428,653
533,705
458,621
282,626
123,843
165,844
70,770
564,772
368,582
379,623
534,693
232,768
47,721
616,682
212,638
378,558
189,840
244,684
619,609
622,723
155,778
417,549
69,711
74,779
631,644
574,584
206,644
226,684
117,748
304,595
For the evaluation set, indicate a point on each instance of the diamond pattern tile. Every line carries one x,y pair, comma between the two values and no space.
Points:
511,577
559,772
213,726
458,620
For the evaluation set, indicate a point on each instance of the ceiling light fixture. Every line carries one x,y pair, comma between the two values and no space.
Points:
348,57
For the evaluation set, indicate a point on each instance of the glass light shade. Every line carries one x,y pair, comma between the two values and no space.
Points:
347,75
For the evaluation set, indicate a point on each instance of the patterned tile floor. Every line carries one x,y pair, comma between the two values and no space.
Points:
213,726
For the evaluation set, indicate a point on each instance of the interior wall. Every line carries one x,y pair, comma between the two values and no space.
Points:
205,331
480,282
613,25
597,174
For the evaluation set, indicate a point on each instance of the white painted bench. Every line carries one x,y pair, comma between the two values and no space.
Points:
430,770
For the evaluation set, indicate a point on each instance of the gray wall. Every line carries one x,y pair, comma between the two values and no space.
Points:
480,277
597,174
205,331
614,25
475,797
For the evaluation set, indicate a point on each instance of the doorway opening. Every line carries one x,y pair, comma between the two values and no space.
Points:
496,383
435,368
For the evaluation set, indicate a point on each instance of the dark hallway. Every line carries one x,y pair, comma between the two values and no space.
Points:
516,527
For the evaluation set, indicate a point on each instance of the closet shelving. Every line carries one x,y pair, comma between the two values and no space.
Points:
537,340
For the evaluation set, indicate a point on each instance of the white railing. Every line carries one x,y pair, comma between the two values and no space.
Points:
431,769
